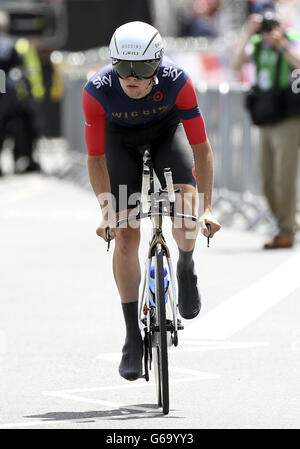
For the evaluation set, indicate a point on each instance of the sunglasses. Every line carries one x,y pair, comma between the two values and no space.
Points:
137,69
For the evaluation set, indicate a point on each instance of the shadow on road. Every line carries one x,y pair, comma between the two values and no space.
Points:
122,413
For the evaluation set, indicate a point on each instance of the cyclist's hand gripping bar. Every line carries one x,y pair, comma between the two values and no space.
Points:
108,237
209,230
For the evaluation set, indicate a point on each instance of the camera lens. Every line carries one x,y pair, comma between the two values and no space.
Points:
268,25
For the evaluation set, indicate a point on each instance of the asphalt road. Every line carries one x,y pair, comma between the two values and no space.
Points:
61,326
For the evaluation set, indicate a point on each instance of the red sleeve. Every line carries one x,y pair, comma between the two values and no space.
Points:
187,97
94,125
190,115
195,130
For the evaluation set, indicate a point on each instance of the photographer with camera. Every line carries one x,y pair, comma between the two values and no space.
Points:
275,108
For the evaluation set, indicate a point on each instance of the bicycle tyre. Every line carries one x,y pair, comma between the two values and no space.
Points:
156,362
163,370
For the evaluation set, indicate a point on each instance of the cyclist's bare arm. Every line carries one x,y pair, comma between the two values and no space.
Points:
240,57
95,141
98,174
100,183
204,171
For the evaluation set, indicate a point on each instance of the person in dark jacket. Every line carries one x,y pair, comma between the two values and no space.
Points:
17,118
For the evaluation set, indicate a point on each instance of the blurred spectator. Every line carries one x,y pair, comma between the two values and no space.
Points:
53,85
8,59
201,19
276,109
16,112
256,6
30,92
289,10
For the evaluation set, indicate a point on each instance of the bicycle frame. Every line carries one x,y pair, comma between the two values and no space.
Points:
151,206
154,209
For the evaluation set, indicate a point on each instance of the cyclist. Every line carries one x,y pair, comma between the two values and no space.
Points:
144,98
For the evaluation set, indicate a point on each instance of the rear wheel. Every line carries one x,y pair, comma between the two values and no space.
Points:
161,351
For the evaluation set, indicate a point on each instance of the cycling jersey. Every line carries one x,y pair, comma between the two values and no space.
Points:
104,100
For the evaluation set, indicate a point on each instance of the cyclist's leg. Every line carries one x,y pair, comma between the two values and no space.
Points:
127,276
175,152
125,168
185,233
125,172
126,265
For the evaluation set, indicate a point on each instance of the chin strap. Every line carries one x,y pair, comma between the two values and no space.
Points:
154,80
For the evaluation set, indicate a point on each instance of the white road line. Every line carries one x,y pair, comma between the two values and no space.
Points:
106,404
195,345
203,345
196,375
219,346
127,386
68,394
249,304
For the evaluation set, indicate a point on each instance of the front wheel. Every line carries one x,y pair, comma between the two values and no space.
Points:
162,377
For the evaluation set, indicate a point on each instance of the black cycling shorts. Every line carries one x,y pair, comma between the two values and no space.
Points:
124,157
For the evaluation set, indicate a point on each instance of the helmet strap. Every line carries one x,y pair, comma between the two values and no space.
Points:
154,80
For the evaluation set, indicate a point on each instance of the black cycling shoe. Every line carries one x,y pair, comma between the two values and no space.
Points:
189,298
131,366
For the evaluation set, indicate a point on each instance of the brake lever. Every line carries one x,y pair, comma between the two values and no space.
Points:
108,238
209,230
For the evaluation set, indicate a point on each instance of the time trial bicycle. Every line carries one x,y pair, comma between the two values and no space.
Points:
158,304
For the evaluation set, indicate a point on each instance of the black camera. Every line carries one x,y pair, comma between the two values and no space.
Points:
269,21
